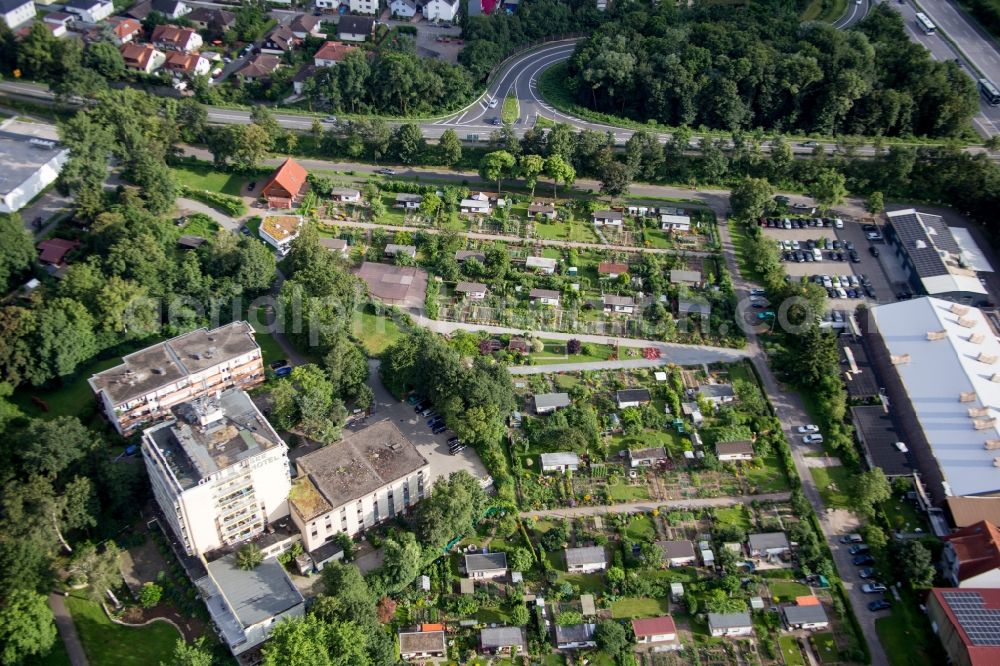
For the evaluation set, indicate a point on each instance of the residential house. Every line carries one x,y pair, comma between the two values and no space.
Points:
422,644
646,457
357,28
474,291
486,566
476,204
611,269
32,159
280,40
90,11
693,305
392,250
576,636
544,296
175,38
189,64
675,223
363,7
216,21
306,25
327,4
546,403
16,12
336,245
560,462
279,231
730,624
769,544
246,605
124,30
148,382
332,53
632,398
54,250
143,57
345,195
503,640
441,10
462,255
586,559
734,451
372,475
618,304
407,200
677,553
58,20
547,211
966,621
403,8
690,278
261,66
212,444
971,556
656,630
172,9
717,394
811,617
306,72
543,265
285,185
608,218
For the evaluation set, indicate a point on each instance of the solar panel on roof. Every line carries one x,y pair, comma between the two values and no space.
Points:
981,625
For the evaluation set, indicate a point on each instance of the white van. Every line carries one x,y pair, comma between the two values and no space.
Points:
817,255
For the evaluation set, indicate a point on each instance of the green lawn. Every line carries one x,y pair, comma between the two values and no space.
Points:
57,656
70,399
826,648
114,645
905,635
623,493
733,515
207,178
511,110
555,352
268,345
904,516
790,651
592,583
375,332
787,590
769,478
641,528
201,225
631,607
833,484
566,231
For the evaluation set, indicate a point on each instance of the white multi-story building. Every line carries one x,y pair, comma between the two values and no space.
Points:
279,231
32,159
218,470
149,382
441,10
91,11
370,476
364,6
16,12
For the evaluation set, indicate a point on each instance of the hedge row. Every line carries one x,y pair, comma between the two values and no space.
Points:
230,205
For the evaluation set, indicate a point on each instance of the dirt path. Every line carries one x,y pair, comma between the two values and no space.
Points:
67,631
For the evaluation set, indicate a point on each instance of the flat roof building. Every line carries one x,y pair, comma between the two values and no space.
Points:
877,433
586,559
370,476
550,402
218,471
150,381
397,285
32,159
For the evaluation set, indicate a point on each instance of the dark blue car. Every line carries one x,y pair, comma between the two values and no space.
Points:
863,560
283,371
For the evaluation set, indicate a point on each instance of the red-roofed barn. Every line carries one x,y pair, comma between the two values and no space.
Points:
284,185
655,630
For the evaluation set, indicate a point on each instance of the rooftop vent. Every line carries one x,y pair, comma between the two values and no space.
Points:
960,310
976,338
967,396
992,444
899,359
983,424
920,245
979,411
989,359
996,461
159,371
966,322
937,335
995,377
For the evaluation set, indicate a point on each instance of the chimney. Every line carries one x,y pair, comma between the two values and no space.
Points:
996,461
992,444
937,335
967,396
899,359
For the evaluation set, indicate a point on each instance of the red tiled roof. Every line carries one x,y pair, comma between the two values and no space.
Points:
123,27
181,62
610,267
137,55
173,35
808,600
979,655
290,177
53,250
977,547
333,51
654,626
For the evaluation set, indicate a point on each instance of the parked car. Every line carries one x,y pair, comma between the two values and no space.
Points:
439,429
867,572
870,227
456,449
838,223
801,206
386,172
848,245
873,588
283,371
453,440
807,429
832,293
869,292
851,538
879,605
812,439
859,549
863,560
757,291
280,363
873,236
781,199
809,144
873,251
855,257
494,102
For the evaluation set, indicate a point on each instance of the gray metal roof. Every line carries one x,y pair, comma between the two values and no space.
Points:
652,453
485,562
575,633
560,458
676,549
633,395
586,555
729,620
804,614
499,637
717,390
255,595
768,540
552,400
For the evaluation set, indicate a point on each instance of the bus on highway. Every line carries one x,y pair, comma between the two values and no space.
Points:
989,92
925,23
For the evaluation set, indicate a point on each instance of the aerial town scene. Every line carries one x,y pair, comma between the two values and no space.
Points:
500,333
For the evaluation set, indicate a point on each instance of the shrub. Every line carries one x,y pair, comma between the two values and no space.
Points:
230,205
150,595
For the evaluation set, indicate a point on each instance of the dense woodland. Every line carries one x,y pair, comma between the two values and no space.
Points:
746,67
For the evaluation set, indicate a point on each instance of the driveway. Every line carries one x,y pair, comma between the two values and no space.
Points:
433,447
188,206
